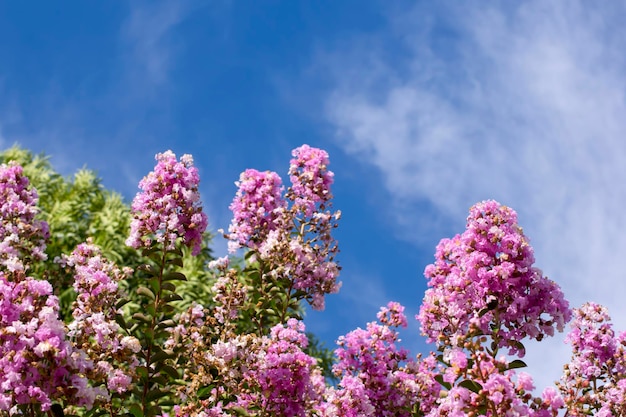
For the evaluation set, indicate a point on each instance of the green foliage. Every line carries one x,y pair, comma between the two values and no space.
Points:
74,208
79,207
151,325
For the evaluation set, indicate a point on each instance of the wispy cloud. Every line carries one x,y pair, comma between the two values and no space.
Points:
525,105
148,34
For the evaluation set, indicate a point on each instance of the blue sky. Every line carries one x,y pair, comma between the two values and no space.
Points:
424,107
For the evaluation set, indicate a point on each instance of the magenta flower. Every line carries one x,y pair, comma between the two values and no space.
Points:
94,329
291,234
258,209
486,276
37,362
310,178
285,380
169,206
22,236
371,366
595,379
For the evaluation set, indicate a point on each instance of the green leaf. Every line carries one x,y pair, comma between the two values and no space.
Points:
161,355
150,270
239,411
446,385
166,324
171,297
121,303
176,261
174,276
160,380
205,392
146,292
155,394
471,385
519,345
119,319
157,257
170,371
136,410
142,317
150,251
299,294
517,363
161,334
149,335
142,371
154,284
176,251
255,276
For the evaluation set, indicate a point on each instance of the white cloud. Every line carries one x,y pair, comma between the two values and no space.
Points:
526,106
148,33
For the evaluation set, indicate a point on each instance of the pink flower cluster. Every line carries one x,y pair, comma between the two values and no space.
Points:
258,209
285,381
230,294
594,382
271,374
22,236
185,332
482,382
37,362
310,178
94,330
486,276
377,378
294,241
169,206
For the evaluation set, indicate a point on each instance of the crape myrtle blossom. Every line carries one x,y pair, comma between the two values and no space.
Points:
310,178
270,373
485,294
285,381
22,236
376,378
482,382
37,362
307,267
258,209
169,206
595,379
290,233
94,329
313,249
483,282
230,295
